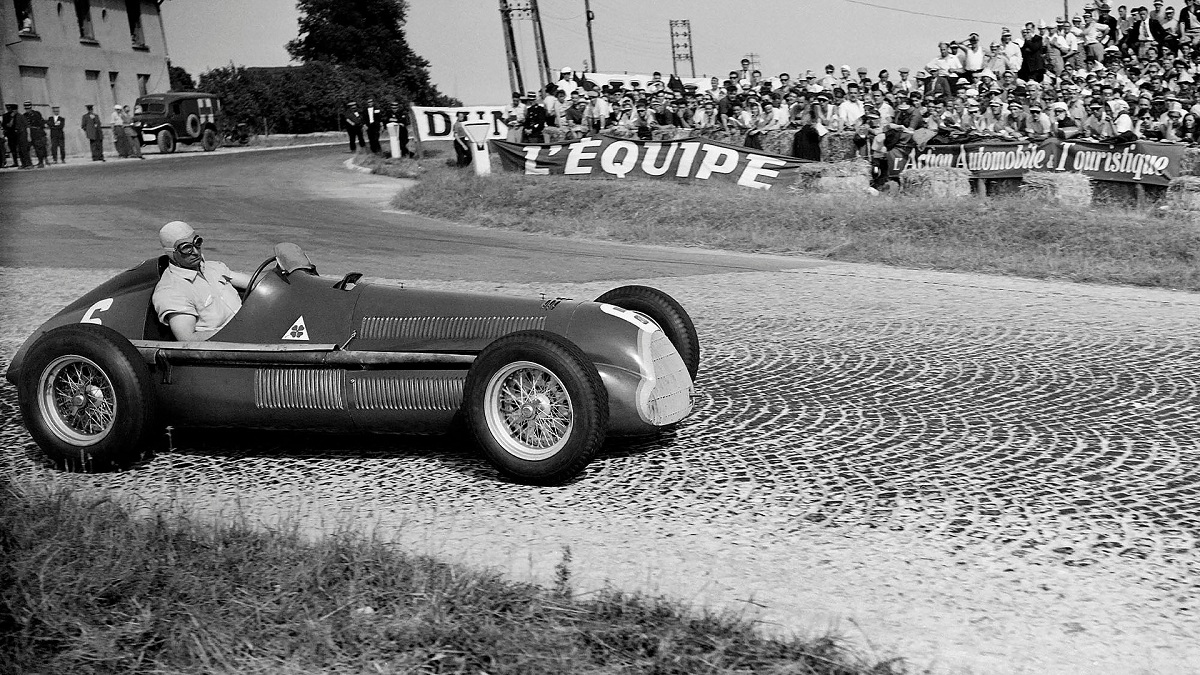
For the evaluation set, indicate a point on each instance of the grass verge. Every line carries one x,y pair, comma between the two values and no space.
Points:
1011,235
86,588
400,167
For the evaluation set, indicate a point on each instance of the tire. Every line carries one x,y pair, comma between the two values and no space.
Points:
116,417
192,126
667,313
209,141
166,141
565,386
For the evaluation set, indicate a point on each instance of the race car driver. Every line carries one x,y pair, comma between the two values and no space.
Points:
194,296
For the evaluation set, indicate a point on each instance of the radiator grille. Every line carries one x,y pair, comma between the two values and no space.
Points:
299,388
671,398
446,327
389,391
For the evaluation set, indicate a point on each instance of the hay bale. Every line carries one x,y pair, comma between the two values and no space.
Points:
936,182
833,177
1064,189
1183,193
1190,164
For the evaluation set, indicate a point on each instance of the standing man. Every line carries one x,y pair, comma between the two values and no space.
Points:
95,133
20,126
120,140
514,117
373,118
401,120
133,133
37,132
9,122
352,123
535,119
57,124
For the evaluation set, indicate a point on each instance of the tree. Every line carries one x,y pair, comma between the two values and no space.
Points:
180,79
366,35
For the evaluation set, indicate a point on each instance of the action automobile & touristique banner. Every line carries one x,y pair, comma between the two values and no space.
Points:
1144,162
683,160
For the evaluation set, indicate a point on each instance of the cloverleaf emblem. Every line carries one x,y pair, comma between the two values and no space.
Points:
297,330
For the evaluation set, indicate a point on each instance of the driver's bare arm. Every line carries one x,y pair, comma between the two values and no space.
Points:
184,328
240,279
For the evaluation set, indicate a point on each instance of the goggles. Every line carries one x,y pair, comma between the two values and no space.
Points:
190,247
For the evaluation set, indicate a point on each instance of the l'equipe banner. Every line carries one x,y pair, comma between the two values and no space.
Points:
684,160
436,124
1144,162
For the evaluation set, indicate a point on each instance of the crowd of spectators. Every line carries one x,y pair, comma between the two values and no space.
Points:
1099,75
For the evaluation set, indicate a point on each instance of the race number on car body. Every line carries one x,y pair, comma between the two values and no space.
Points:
90,315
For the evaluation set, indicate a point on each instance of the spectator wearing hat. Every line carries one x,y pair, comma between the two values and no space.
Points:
352,123
1036,125
395,114
535,119
57,125
1104,16
596,112
92,129
904,84
8,121
1033,64
830,81
514,118
16,130
1059,46
1094,33
552,105
971,55
120,139
996,60
566,81
1011,49
462,140
1062,125
37,133
372,119
133,132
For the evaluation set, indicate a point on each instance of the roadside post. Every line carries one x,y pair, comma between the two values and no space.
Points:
480,157
394,142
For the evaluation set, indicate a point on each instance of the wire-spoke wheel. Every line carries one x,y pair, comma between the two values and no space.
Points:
528,410
78,403
537,406
87,398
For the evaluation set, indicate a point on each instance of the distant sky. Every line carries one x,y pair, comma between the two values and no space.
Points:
462,40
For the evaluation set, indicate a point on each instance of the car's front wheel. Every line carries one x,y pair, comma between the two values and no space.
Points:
87,398
537,407
670,316
166,141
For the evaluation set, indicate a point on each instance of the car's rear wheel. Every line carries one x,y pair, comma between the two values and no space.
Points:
166,141
87,398
537,407
209,141
667,313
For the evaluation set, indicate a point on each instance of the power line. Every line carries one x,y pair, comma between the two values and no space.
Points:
935,16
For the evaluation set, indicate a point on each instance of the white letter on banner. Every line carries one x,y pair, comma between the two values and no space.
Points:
626,165
649,162
708,167
1065,149
686,158
579,153
754,169
531,167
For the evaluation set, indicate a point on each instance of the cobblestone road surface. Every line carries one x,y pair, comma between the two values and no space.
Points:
980,474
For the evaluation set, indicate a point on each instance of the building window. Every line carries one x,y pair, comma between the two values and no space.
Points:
34,85
24,17
143,84
133,12
83,15
93,85
112,85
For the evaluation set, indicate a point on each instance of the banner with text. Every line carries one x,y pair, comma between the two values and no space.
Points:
691,159
1144,162
436,124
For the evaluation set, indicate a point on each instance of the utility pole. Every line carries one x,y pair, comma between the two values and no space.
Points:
515,81
1066,11
587,12
753,59
539,38
681,45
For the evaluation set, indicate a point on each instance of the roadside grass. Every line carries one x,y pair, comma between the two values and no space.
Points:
87,588
1013,235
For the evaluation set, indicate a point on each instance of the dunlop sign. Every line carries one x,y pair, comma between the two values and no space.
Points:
681,160
1142,162
437,124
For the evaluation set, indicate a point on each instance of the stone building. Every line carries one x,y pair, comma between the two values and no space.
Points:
70,53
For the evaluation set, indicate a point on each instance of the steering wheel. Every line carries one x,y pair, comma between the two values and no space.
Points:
259,273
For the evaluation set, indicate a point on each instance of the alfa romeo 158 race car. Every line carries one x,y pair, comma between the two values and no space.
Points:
539,382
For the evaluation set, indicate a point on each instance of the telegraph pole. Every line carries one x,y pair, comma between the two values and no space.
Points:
1066,11
515,81
539,38
587,12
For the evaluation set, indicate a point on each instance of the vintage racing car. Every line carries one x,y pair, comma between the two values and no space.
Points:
539,382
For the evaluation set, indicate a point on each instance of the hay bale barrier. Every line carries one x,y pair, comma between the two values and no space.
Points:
1064,189
834,177
936,182
1183,193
